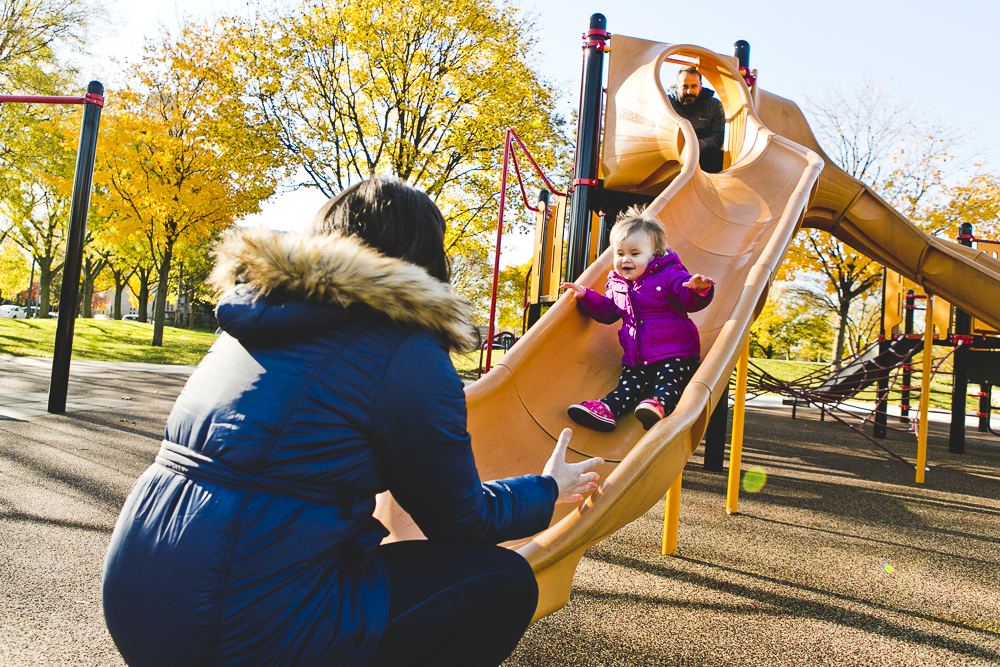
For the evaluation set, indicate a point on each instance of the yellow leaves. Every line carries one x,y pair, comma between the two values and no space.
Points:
419,89
174,162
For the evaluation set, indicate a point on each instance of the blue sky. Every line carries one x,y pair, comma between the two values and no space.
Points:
939,55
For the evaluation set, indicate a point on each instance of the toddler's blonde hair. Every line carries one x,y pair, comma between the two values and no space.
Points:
635,221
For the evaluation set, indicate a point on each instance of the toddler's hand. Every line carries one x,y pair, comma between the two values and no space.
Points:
578,290
699,283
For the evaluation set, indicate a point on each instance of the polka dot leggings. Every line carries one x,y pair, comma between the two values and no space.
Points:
667,377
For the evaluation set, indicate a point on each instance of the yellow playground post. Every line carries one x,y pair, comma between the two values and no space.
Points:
925,387
736,447
671,517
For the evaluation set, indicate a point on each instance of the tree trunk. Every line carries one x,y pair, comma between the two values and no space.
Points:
144,273
85,307
91,269
178,320
116,307
44,285
160,302
121,277
87,292
841,334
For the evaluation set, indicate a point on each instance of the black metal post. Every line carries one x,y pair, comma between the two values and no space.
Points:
607,222
715,434
741,51
588,138
79,206
904,400
985,390
960,365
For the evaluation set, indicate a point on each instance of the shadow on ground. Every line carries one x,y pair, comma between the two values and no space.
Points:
840,559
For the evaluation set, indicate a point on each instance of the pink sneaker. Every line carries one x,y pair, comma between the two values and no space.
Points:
648,413
592,414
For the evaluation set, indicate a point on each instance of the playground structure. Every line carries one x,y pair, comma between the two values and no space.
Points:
735,226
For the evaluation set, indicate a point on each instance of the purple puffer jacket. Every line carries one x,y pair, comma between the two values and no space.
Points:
653,310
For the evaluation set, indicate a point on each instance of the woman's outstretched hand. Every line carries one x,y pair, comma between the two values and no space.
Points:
573,479
578,290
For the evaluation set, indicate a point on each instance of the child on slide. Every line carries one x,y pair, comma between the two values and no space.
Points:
652,293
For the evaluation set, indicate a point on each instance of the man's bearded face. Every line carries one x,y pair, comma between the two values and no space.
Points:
688,87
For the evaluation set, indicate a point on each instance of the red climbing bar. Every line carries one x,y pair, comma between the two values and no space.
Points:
89,98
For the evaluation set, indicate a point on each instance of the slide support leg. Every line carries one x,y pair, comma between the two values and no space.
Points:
671,517
925,388
736,444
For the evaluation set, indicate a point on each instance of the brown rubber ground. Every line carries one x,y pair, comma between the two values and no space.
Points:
840,559
800,577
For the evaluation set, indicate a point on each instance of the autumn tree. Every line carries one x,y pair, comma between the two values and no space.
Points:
190,280
120,267
975,201
863,322
874,135
175,163
36,159
90,272
140,283
510,298
31,32
421,89
844,276
787,323
14,271
35,184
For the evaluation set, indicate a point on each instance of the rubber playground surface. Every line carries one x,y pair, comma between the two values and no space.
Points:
838,558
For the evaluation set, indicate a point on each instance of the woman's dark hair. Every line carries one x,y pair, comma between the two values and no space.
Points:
391,217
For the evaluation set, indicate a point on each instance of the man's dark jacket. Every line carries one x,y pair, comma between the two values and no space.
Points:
250,540
709,121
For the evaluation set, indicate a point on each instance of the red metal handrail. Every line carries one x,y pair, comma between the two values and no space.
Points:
508,154
89,98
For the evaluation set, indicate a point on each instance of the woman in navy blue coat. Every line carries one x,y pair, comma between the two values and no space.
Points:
251,541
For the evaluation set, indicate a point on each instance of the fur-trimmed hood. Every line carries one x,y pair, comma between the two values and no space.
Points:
341,271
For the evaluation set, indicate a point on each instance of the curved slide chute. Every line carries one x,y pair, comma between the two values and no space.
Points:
852,212
735,227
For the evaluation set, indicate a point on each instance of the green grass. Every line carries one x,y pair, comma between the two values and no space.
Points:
109,340
787,370
467,364
106,340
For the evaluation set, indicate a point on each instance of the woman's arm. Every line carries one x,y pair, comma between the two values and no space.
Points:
424,450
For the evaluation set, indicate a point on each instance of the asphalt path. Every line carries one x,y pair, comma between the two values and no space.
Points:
63,479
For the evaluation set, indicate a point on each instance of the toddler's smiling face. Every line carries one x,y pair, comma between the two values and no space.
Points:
633,255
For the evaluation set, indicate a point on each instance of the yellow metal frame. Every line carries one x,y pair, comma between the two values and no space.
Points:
546,273
896,286
736,446
925,388
671,517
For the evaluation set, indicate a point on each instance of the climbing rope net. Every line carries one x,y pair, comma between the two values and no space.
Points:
850,392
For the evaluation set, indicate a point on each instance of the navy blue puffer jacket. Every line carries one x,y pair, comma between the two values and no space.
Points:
250,540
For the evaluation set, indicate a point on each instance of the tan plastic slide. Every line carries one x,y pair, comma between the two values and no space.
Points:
735,227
